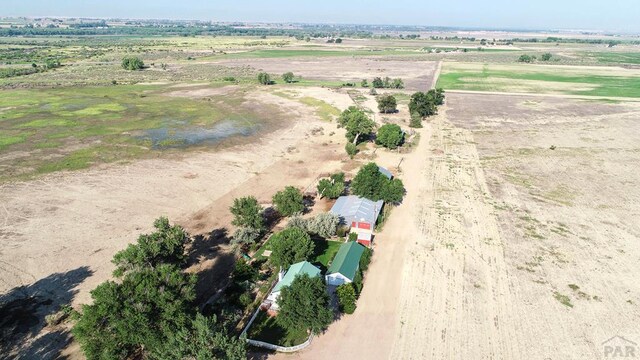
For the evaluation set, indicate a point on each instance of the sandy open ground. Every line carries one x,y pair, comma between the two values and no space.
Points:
504,248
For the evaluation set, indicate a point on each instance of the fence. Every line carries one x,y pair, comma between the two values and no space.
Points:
281,348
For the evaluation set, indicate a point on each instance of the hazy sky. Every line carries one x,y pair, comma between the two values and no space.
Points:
621,15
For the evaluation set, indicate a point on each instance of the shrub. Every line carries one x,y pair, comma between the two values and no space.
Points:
387,104
526,58
324,224
377,83
353,236
546,57
351,149
346,298
416,121
364,83
132,63
264,78
245,236
298,221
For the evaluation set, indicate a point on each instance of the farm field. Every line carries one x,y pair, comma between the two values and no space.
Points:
541,79
526,243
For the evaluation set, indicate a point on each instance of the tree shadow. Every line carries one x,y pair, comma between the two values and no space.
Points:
23,311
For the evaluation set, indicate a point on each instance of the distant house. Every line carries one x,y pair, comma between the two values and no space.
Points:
345,264
303,267
385,172
359,214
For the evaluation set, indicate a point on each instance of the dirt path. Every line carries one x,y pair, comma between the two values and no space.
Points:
455,283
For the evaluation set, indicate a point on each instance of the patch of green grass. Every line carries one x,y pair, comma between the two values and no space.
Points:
6,140
324,110
40,123
268,329
329,249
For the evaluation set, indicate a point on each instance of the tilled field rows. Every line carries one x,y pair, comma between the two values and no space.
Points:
456,299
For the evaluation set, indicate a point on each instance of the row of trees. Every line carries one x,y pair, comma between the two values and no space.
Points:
386,83
150,310
265,79
532,58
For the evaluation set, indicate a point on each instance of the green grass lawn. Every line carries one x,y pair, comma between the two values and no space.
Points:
324,253
267,329
539,79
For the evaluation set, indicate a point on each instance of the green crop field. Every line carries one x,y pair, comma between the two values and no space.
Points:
540,79
616,57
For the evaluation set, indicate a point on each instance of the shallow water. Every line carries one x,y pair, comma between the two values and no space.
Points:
167,137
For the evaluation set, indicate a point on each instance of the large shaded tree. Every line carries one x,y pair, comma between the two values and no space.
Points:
247,213
373,185
357,123
423,104
289,201
305,305
332,187
290,246
165,245
390,136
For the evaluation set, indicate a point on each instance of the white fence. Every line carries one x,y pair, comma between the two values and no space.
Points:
269,346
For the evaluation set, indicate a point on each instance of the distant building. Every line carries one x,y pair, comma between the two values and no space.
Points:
345,264
359,214
303,267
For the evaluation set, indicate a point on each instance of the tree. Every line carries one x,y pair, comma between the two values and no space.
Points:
365,259
305,305
138,314
165,245
245,236
332,187
132,63
264,78
423,104
368,182
288,77
346,298
526,58
203,340
439,95
324,224
247,213
377,83
392,191
289,201
387,104
299,222
546,57
338,41
373,185
356,122
290,246
390,136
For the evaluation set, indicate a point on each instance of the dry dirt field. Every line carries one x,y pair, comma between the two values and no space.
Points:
528,232
505,248
417,75
59,233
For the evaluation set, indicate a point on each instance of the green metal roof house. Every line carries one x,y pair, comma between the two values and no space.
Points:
303,267
345,264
